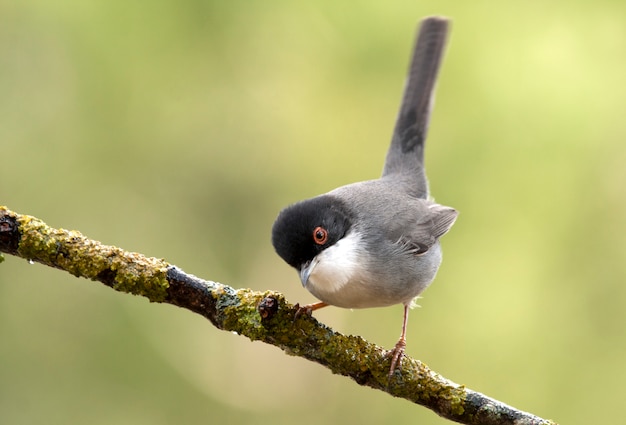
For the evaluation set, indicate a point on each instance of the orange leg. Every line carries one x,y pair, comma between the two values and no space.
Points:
308,309
398,350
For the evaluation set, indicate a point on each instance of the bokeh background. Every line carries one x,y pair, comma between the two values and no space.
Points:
179,129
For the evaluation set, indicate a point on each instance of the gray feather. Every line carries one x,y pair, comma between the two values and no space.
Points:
416,222
405,157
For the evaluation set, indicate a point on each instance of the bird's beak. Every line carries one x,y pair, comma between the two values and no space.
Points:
305,271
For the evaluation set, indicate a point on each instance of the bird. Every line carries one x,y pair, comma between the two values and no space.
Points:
375,243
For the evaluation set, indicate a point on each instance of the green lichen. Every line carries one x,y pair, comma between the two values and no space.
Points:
239,313
141,276
456,399
69,250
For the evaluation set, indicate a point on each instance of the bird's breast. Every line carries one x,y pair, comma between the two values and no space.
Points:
346,275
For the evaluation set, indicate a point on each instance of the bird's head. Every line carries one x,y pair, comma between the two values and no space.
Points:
305,229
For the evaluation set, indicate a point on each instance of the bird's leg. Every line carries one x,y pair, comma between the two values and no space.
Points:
398,350
308,309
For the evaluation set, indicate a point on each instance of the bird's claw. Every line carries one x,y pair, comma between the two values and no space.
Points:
396,356
305,309
308,309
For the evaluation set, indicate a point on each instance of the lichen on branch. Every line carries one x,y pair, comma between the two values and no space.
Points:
260,316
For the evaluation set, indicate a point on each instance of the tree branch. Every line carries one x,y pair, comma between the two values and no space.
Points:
261,316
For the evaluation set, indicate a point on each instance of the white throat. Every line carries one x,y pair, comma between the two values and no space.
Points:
334,267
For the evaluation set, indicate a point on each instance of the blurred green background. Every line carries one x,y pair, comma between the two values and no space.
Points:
179,129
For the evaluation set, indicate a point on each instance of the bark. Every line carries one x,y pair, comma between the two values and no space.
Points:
260,316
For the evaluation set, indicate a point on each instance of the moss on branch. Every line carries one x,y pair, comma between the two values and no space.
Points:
260,316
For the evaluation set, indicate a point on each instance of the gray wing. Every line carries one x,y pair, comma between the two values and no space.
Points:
405,158
387,212
432,226
417,233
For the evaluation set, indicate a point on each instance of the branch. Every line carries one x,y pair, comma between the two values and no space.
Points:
261,316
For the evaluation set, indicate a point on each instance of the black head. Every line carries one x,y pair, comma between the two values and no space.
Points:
305,229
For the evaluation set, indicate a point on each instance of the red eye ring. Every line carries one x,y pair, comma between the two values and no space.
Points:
320,235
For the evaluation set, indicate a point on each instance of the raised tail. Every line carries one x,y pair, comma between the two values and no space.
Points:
405,158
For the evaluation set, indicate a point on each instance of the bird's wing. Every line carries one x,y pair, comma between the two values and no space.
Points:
421,233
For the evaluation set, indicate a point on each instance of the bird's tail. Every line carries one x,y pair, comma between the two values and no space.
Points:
405,158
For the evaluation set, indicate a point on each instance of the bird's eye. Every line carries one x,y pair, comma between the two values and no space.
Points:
320,235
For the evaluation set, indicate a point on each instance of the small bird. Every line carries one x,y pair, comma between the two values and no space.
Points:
375,243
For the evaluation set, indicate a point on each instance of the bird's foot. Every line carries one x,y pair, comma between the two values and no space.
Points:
396,356
308,309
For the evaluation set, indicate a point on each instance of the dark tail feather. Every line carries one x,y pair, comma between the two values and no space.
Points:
405,158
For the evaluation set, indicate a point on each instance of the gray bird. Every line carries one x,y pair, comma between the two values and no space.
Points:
376,243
